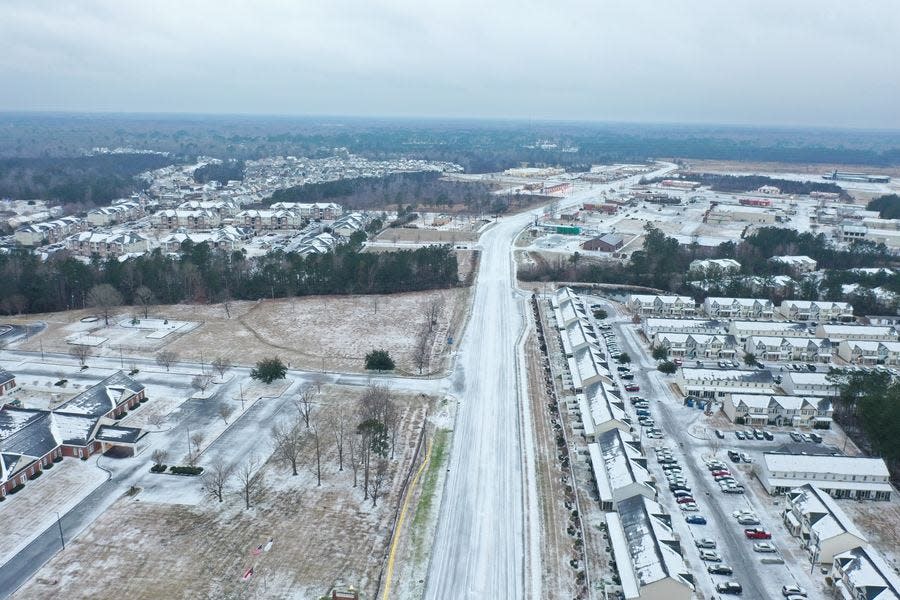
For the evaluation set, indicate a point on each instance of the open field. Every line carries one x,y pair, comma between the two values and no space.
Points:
424,235
161,543
813,169
315,332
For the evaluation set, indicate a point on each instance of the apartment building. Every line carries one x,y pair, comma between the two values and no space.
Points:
761,410
815,310
857,477
738,308
803,349
822,526
868,352
653,305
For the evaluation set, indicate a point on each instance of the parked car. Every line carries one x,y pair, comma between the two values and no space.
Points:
793,590
627,376
795,436
705,543
757,534
636,399
734,455
632,388
815,437
734,489
730,587
758,434
685,500
748,520
679,486
622,369
689,507
720,569
721,472
695,519
764,547
768,435
710,556
720,434
746,457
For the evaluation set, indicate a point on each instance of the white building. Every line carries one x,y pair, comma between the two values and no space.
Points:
862,574
622,468
796,411
742,330
654,325
720,265
720,383
803,383
738,308
789,349
117,213
822,526
857,477
647,552
650,305
601,410
837,333
867,352
798,264
695,345
815,310
88,243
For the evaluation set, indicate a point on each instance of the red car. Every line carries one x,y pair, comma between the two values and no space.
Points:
757,534
720,473
684,500
632,388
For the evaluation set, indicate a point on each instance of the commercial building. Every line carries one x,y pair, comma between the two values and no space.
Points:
728,213
609,242
857,477
823,527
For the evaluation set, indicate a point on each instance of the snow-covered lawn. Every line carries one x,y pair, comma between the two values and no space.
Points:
172,540
27,514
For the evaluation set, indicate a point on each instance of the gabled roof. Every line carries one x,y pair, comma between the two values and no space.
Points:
103,397
868,572
5,376
825,517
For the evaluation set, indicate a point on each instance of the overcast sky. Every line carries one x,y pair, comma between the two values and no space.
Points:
781,62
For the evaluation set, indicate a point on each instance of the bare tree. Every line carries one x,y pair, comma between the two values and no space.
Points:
226,304
314,432
197,439
145,298
422,349
354,457
166,358
104,297
159,456
250,475
81,352
215,478
338,423
288,440
156,419
305,401
221,366
225,411
379,478
201,382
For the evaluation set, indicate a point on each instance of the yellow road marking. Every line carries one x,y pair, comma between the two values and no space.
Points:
396,540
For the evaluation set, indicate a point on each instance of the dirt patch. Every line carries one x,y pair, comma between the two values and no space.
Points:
149,546
397,235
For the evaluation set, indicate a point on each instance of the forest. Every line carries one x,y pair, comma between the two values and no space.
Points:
200,275
888,206
223,172
751,183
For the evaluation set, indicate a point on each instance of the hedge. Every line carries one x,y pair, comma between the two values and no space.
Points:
185,470
49,465
57,459
158,469
17,489
35,475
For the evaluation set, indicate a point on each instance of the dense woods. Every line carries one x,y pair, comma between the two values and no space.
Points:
888,206
80,182
201,275
751,183
228,170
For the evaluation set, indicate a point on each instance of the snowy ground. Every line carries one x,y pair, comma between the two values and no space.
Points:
28,513
154,544
330,333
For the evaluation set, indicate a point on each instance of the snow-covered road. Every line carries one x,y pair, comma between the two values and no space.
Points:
480,546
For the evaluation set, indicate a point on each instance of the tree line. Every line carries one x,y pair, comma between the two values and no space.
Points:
663,263
227,170
751,183
888,206
200,274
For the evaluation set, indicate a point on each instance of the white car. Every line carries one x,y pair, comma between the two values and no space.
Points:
763,547
690,507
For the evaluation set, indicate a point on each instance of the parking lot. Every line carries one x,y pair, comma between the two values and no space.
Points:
678,442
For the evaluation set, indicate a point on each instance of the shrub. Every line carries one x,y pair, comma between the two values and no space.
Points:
84,457
144,399
61,382
17,489
35,475
379,360
49,465
158,469
268,370
57,459
185,470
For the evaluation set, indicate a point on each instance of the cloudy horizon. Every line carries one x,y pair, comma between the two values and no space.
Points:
762,63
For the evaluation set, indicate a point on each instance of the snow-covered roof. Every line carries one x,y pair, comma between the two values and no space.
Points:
72,429
706,325
772,326
762,402
119,434
822,513
745,302
100,399
867,572
832,330
653,548
812,466
5,376
808,378
625,465
603,406
756,376
795,342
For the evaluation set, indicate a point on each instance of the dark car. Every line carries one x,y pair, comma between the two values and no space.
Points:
720,434
632,388
768,435
720,569
730,587
816,438
696,520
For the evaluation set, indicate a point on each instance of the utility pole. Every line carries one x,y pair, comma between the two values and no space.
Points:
59,524
241,385
42,350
